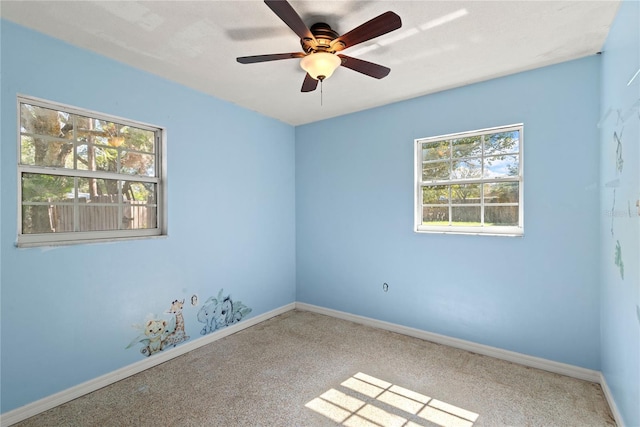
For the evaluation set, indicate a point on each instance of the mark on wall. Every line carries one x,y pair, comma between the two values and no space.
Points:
218,312
618,183
618,259
613,209
619,160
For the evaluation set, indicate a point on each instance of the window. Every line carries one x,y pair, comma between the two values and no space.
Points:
86,177
470,182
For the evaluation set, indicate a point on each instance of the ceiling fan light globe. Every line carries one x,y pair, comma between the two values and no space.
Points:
320,65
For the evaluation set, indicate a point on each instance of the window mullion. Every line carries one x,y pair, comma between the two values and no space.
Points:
86,174
76,205
482,205
74,122
450,206
449,180
482,185
120,205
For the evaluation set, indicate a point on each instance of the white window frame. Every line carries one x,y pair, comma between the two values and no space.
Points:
475,230
79,237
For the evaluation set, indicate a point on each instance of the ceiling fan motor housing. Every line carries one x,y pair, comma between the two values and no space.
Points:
324,36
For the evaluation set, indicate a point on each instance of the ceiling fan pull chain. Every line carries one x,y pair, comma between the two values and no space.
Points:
321,92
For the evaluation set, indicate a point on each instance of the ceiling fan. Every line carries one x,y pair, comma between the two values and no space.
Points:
320,45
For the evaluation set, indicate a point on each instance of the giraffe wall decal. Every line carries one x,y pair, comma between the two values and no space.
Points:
178,335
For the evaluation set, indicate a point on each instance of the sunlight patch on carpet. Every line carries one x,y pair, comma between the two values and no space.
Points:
366,401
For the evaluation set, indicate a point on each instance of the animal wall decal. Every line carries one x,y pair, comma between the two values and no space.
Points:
221,311
154,334
178,335
619,160
159,333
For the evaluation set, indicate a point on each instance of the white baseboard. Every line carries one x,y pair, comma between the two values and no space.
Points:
34,408
612,403
511,356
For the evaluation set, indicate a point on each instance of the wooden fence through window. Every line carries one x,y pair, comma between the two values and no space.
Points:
101,213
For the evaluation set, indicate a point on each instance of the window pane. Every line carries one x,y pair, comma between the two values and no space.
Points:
143,192
46,152
56,191
138,164
105,132
501,215
435,194
138,139
82,156
96,190
468,193
467,147
501,166
92,217
434,171
435,215
27,150
45,121
501,192
140,208
466,169
47,188
96,158
435,150
109,132
86,131
99,204
101,132
465,216
138,215
54,218
502,143
36,219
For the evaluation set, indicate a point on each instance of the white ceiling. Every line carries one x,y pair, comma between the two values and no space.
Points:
441,45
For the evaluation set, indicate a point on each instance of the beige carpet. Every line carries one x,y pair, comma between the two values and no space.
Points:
306,369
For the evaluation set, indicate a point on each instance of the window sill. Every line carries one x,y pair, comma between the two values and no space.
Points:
91,241
473,231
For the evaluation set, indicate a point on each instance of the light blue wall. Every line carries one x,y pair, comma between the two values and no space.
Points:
536,295
67,312
244,190
620,222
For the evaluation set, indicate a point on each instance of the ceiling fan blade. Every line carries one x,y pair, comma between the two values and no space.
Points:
309,84
289,16
378,26
365,67
271,57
